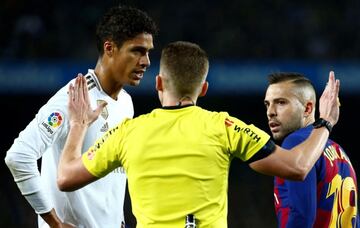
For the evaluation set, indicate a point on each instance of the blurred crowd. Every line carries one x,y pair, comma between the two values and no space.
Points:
226,29
229,30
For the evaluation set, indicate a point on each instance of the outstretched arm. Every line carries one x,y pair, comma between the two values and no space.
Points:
298,163
72,173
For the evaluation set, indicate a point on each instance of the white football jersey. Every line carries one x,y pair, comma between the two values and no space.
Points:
97,205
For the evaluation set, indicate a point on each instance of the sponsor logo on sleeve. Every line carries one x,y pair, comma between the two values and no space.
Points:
247,131
51,123
91,154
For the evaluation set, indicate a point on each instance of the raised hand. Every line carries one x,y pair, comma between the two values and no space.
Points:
80,111
329,100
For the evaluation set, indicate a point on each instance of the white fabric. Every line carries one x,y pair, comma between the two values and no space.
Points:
99,204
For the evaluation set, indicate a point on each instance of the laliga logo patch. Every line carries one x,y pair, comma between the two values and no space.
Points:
55,119
51,123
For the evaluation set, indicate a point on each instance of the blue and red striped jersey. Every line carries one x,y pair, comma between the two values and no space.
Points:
328,195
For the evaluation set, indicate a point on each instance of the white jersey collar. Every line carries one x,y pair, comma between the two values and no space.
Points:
92,80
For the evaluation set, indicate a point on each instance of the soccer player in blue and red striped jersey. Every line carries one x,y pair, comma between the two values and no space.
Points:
327,197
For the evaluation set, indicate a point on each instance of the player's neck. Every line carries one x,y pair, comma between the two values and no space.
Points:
108,86
175,101
309,121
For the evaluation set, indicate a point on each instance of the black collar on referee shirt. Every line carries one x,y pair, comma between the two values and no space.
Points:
177,106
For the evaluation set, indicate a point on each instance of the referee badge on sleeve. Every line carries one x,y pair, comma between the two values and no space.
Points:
228,122
52,123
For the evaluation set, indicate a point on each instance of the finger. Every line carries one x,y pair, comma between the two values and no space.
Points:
337,89
80,92
86,92
334,85
76,89
331,80
71,92
82,85
331,76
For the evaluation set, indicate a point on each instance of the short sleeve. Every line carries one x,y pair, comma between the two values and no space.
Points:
104,156
244,140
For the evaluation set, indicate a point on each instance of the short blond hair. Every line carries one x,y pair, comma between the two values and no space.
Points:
186,66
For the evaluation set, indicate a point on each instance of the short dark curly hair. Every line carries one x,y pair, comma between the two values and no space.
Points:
121,23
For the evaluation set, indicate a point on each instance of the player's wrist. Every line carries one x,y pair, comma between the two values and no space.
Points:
78,124
321,122
51,218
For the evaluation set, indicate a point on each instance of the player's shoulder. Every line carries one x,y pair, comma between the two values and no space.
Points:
300,134
333,145
210,113
59,99
216,119
224,118
62,93
124,92
124,95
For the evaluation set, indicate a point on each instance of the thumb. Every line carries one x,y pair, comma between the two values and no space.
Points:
100,107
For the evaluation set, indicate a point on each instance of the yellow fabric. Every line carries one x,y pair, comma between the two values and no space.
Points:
177,163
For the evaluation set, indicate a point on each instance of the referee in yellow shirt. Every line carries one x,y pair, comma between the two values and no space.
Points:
177,157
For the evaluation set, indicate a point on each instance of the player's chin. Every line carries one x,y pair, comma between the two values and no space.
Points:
278,136
134,82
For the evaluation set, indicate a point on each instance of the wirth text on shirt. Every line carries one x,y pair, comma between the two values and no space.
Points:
248,131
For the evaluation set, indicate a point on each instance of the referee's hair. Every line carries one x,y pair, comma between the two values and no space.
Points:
186,64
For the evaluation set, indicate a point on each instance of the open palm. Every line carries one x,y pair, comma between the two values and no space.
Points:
80,111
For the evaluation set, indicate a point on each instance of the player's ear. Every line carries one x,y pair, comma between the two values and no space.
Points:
204,89
108,48
158,83
309,108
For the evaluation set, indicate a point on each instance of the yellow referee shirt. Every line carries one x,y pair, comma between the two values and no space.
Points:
177,162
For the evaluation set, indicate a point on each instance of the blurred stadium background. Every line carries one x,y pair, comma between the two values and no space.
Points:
43,44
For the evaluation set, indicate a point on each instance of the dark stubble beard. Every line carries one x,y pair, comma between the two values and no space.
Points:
287,129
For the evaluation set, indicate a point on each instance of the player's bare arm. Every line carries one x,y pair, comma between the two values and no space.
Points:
54,221
71,172
296,163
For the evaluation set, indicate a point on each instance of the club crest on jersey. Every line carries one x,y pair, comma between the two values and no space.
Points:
51,123
104,112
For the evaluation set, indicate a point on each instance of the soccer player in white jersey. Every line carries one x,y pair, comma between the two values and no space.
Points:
124,39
